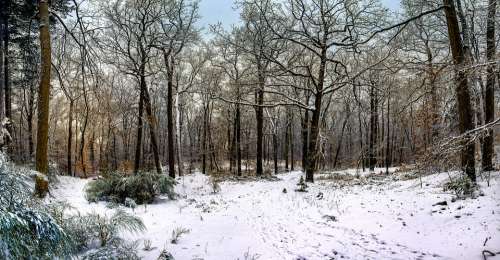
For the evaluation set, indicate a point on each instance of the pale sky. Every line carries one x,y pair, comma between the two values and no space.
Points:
214,11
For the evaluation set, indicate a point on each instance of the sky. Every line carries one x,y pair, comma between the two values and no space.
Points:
214,11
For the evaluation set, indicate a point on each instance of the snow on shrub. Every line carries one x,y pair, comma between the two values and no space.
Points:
142,187
26,227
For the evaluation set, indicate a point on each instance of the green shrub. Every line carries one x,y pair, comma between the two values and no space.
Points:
106,229
27,229
142,188
461,186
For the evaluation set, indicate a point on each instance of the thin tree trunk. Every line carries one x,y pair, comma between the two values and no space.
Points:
305,137
238,139
373,127
70,138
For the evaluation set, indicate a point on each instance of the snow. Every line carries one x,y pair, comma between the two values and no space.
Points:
365,217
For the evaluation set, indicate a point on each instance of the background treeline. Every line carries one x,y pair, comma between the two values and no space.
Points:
297,84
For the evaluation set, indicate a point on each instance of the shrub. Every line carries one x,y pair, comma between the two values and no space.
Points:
26,227
165,255
106,229
177,233
302,186
118,250
461,186
142,188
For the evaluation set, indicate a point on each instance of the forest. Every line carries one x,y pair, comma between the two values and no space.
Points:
306,129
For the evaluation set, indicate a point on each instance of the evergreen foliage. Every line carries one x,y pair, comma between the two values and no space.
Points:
142,188
27,229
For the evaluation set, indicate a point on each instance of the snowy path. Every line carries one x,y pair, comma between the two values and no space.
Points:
381,220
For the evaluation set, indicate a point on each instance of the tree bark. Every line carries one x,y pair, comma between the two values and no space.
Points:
42,163
238,139
462,89
489,97
170,118
373,127
70,138
313,140
259,115
138,145
305,136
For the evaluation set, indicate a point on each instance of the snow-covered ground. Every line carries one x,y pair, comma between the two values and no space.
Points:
360,218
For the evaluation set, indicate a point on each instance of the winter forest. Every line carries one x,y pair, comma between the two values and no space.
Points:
301,129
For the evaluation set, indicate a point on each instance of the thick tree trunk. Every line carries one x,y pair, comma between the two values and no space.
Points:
339,146
170,118
489,97
179,123
7,88
259,115
151,121
138,145
462,89
3,58
6,78
313,153
42,163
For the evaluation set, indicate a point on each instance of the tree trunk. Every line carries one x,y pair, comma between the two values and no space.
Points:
373,127
7,88
287,139
204,139
70,138
462,89
42,163
313,153
179,122
151,121
170,118
138,145
259,115
292,159
340,142
238,139
3,57
489,97
305,137
275,151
